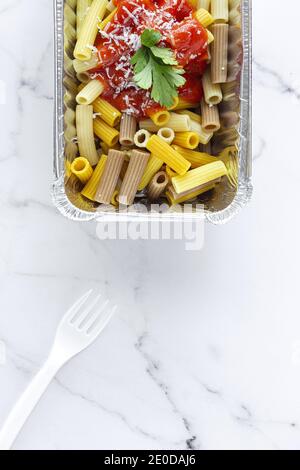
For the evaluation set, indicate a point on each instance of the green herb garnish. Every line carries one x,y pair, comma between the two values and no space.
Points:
157,67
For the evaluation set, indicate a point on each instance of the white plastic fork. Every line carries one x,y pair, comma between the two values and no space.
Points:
78,329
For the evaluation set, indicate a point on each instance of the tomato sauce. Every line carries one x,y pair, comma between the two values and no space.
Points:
118,42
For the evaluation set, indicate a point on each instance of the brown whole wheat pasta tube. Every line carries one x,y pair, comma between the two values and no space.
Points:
127,129
210,117
219,53
157,185
137,165
110,176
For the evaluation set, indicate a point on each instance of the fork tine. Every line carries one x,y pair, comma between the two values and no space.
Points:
96,315
76,306
85,314
98,326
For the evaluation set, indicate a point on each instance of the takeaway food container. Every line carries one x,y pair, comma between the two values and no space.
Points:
231,194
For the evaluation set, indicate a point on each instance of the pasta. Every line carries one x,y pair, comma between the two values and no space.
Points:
158,185
203,4
108,19
189,140
199,176
166,134
137,164
212,92
82,9
195,158
141,138
89,29
204,17
219,10
80,66
90,92
175,198
107,112
85,134
81,168
146,122
153,166
127,129
219,53
168,155
210,117
160,117
108,134
110,176
89,191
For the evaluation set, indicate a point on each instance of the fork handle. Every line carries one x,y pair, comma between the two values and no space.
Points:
26,404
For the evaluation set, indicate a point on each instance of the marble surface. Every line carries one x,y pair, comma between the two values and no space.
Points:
205,350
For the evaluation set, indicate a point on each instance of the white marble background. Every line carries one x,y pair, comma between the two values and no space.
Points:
205,350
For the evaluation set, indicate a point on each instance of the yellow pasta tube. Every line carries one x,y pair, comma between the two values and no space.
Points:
199,176
82,9
189,140
90,92
160,117
195,158
90,64
107,112
169,171
194,116
157,185
137,164
184,104
106,148
210,37
179,123
109,179
89,191
153,166
108,134
204,17
175,104
111,6
204,4
108,19
168,155
219,10
89,29
204,136
81,168
141,138
174,198
166,134
212,91
85,134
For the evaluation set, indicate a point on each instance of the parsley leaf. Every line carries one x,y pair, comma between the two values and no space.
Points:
156,67
165,54
150,37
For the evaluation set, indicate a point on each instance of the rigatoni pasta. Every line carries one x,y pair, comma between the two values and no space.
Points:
137,164
89,29
85,133
110,177
170,97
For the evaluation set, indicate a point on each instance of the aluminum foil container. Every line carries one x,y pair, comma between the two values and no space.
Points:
221,204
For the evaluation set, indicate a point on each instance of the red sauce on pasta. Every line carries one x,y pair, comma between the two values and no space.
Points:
118,42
